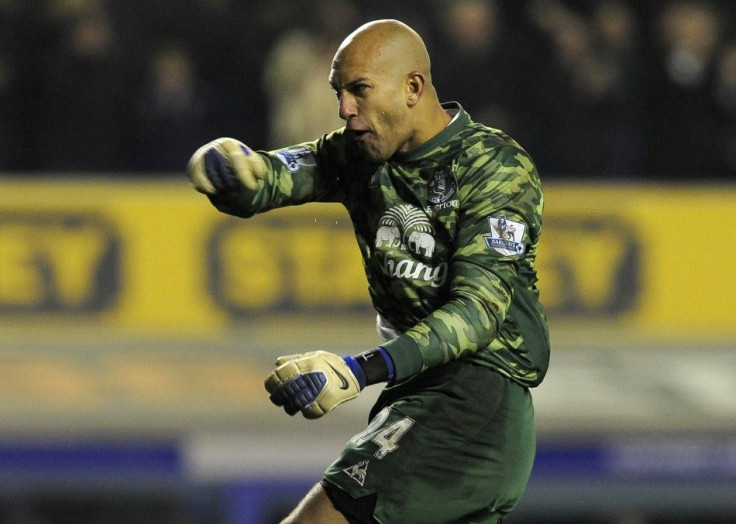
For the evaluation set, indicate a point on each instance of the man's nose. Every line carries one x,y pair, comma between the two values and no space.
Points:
347,107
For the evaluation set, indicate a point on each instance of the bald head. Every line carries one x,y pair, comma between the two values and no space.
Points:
381,75
389,45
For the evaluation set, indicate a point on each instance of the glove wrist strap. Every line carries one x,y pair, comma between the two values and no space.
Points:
357,370
376,365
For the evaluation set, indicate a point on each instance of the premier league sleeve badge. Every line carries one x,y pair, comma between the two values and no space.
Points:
507,236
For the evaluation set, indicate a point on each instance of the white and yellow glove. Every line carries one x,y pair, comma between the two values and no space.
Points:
314,383
223,165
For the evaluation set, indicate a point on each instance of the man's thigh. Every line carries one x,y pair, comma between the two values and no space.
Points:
457,443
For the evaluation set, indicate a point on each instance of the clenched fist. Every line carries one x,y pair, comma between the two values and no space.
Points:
313,383
224,165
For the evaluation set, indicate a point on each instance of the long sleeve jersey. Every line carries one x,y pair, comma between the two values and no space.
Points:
448,234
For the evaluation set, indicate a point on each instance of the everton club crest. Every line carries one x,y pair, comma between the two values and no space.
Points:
442,187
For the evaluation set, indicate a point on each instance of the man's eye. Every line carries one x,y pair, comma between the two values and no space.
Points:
359,88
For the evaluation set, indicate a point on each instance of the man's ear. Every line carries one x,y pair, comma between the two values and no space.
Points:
414,88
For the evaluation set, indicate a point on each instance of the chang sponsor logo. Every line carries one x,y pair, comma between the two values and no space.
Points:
406,229
408,269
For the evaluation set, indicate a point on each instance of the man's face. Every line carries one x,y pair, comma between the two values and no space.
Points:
371,101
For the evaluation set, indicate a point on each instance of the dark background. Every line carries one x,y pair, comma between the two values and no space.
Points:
593,89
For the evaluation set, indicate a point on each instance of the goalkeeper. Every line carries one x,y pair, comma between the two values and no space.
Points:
447,214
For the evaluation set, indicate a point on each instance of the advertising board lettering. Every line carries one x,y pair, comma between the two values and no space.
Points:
57,262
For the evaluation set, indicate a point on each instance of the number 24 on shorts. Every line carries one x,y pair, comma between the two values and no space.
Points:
385,438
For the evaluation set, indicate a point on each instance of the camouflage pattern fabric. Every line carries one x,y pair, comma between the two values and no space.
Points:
448,233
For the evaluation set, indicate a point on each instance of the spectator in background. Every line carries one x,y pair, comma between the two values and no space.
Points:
8,79
724,92
620,94
473,41
23,41
172,112
228,39
301,105
86,95
597,126
485,60
579,87
230,62
683,112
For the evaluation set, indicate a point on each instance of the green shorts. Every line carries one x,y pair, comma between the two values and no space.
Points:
453,444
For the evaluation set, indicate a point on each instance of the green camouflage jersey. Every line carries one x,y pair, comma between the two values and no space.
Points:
448,233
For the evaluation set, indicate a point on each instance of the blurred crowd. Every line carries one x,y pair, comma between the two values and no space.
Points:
594,89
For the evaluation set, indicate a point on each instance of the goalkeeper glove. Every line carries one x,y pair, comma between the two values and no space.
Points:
225,164
315,383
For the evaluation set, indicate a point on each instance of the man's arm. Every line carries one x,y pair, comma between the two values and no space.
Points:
242,182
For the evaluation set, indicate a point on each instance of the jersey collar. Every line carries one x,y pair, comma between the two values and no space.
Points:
460,119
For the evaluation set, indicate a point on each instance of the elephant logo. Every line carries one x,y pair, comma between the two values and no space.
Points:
421,243
388,236
407,228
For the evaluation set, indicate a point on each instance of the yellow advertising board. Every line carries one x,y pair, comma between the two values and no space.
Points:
657,257
154,256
